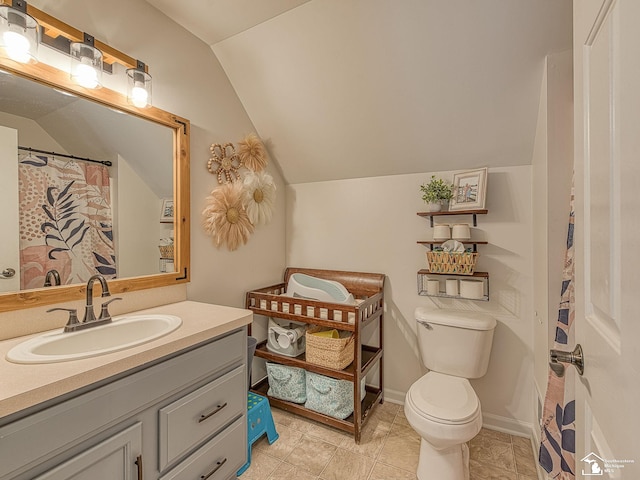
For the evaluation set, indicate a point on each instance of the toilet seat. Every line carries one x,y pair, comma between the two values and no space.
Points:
444,399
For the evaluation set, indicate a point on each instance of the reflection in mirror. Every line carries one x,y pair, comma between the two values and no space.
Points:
76,217
127,228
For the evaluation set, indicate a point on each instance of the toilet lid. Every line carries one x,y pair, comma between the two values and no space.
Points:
444,398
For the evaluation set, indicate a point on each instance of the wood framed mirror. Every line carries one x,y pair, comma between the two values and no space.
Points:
179,128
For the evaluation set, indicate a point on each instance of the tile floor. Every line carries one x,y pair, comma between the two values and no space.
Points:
307,450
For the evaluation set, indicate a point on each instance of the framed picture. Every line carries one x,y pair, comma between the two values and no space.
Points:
469,190
166,214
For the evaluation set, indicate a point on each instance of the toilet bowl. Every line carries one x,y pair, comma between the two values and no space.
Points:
445,411
441,406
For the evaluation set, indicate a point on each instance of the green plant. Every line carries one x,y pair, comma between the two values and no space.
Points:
436,190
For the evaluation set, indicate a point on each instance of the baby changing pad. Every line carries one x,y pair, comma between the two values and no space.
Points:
306,286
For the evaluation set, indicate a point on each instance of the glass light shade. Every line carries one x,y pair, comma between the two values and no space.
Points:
86,65
19,35
138,88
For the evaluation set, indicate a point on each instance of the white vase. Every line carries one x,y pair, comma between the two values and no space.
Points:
435,206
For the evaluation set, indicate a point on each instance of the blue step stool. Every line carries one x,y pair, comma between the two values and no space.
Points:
259,422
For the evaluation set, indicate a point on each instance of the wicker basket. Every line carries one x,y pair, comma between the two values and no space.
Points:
452,263
166,251
336,353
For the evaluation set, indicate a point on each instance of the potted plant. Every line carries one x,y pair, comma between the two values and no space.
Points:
435,193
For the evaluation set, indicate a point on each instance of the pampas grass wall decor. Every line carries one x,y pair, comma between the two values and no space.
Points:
225,217
252,153
232,210
259,197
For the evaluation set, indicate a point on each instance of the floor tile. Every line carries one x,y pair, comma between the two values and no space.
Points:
295,422
285,471
382,471
311,454
401,448
262,466
487,449
346,465
329,434
288,439
371,441
485,433
525,461
388,450
401,419
480,471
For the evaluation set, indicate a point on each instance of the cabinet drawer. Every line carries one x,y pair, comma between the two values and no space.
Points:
196,416
224,454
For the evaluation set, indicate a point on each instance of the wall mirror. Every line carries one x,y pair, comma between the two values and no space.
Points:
149,152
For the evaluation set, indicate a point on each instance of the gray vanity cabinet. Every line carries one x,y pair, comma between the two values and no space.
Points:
183,417
114,458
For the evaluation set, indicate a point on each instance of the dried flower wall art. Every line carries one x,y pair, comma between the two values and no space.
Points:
259,196
225,218
224,162
252,153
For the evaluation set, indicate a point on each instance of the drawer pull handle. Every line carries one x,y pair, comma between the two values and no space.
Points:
138,462
217,467
203,417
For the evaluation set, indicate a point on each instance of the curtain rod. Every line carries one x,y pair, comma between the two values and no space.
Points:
103,162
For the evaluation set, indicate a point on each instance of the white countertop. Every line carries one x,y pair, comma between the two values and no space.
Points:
24,386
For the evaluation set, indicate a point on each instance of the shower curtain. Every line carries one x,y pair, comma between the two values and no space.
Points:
65,220
558,435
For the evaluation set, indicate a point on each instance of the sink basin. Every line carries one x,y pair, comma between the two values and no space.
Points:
124,332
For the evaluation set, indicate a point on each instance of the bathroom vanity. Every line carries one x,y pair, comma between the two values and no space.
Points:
174,408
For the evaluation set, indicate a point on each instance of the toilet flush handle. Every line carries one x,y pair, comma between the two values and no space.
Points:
425,324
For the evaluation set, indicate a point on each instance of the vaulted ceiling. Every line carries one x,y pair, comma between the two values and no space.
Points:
357,88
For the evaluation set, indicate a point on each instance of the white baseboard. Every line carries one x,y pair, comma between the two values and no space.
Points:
507,425
394,396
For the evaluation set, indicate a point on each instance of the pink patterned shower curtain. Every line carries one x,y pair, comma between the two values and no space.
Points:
558,443
65,221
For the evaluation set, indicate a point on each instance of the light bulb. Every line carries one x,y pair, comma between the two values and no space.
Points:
17,45
86,76
139,96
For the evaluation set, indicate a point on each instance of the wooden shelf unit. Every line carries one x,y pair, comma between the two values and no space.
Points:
424,272
368,290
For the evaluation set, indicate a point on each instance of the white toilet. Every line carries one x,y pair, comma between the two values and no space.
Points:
442,406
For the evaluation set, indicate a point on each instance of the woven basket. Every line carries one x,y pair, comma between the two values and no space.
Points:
336,353
166,251
452,263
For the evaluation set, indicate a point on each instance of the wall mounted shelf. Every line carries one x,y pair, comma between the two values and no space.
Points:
431,243
473,213
425,274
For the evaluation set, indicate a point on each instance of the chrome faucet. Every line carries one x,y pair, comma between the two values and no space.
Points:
56,278
90,319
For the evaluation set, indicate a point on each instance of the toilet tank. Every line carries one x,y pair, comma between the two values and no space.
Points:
455,343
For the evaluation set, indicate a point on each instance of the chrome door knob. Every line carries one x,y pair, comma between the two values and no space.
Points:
558,357
7,273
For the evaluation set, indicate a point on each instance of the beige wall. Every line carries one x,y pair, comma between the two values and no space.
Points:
370,224
188,81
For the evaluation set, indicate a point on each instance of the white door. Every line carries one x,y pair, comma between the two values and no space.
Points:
9,235
607,162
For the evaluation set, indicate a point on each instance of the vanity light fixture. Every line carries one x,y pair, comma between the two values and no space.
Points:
19,33
86,63
139,86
